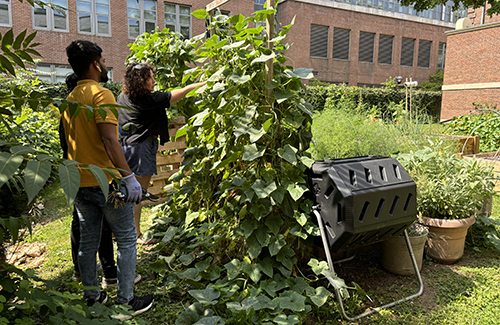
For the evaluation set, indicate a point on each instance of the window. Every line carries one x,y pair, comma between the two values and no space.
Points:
441,55
178,19
258,5
319,41
341,41
51,19
424,54
58,72
141,16
93,17
385,49
407,49
5,15
366,42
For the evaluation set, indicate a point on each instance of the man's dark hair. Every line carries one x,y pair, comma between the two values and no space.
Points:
81,54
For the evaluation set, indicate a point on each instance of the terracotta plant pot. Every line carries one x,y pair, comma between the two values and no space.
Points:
396,258
447,238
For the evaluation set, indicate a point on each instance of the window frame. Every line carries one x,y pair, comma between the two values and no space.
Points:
178,26
9,13
420,51
141,19
441,55
94,28
412,55
381,36
50,15
53,69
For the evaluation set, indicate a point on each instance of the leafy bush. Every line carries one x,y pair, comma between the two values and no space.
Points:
484,124
447,187
423,102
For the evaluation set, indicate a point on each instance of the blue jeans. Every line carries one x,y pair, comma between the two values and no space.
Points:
92,208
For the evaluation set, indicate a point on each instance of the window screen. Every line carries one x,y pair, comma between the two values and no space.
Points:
385,49
366,42
341,39
424,54
319,41
407,47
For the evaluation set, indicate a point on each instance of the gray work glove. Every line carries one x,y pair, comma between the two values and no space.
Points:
134,189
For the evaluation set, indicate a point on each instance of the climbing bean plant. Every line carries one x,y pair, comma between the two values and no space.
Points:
235,233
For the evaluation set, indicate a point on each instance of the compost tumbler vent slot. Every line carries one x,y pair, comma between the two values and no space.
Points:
408,202
368,175
352,178
394,205
379,208
329,191
363,211
383,176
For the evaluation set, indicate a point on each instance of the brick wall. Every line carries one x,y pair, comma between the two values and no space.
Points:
115,49
479,14
352,71
471,73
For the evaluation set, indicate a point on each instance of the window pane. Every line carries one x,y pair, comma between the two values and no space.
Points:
424,54
149,26
40,16
63,70
133,13
150,5
102,1
385,49
84,6
185,32
102,25
341,40
170,18
84,23
407,48
62,3
149,15
102,9
184,20
59,20
170,27
43,68
184,10
4,13
133,4
133,28
169,8
366,42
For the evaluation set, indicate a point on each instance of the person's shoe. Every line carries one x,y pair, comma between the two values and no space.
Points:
113,282
76,276
101,298
139,305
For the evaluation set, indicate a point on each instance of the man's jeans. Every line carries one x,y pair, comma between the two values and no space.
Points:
91,207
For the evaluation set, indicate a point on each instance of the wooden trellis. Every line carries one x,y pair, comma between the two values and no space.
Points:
168,158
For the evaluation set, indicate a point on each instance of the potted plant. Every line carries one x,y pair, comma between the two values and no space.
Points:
450,191
395,255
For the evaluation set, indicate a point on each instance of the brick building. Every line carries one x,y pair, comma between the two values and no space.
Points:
472,59
358,42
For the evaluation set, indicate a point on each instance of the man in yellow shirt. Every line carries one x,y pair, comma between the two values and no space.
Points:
95,142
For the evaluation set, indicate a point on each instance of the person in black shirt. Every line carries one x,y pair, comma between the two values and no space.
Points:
144,124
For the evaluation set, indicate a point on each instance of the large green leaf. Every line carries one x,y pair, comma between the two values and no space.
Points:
8,166
283,319
252,152
296,190
69,176
6,66
276,244
206,296
244,305
292,300
263,189
101,178
36,174
288,153
320,296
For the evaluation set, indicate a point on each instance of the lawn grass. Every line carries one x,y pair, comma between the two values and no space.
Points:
463,293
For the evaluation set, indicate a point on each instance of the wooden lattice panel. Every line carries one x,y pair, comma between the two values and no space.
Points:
168,158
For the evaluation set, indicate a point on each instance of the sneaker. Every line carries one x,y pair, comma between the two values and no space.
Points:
138,305
76,276
113,282
101,298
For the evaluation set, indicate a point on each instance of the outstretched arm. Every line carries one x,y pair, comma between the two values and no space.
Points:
178,94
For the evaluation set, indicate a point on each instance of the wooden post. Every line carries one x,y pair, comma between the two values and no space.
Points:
410,99
406,94
270,36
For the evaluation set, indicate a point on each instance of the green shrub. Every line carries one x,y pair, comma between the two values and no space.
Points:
484,124
423,102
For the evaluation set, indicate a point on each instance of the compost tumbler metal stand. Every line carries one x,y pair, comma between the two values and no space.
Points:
337,291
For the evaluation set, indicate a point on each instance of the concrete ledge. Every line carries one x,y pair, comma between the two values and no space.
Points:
482,85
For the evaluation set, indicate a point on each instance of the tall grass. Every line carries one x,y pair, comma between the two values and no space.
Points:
342,130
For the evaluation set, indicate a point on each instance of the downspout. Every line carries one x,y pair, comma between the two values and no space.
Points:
483,14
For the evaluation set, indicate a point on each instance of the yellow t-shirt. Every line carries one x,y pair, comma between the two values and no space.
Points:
83,138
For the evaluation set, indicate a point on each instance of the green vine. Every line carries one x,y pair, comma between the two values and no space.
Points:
239,221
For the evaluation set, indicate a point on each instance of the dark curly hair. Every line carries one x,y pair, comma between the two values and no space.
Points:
135,78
